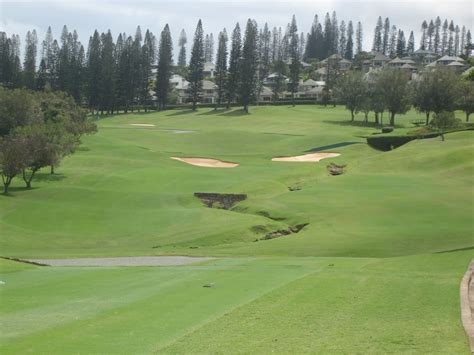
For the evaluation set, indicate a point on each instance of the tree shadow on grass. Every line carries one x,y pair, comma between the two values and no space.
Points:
13,189
48,177
180,112
235,113
330,146
219,112
358,124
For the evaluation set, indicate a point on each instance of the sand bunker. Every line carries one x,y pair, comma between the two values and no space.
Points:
313,157
142,124
208,163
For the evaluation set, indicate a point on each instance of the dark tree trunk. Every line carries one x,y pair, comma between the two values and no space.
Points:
427,118
52,169
467,116
352,115
28,179
392,119
6,184
376,118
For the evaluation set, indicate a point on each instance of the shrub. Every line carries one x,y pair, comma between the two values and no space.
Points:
387,129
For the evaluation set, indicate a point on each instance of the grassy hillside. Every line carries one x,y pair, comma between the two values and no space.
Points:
376,270
122,195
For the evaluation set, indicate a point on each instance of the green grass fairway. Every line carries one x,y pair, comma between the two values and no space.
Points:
376,270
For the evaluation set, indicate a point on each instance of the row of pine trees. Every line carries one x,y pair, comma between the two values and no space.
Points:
440,39
110,75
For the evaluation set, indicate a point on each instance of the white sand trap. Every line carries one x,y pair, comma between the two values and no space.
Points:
142,124
208,163
313,157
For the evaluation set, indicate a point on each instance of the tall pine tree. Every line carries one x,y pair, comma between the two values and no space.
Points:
349,53
196,65
29,65
359,38
182,48
248,67
295,63
165,61
221,66
234,65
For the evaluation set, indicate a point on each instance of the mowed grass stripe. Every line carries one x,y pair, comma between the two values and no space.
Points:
130,304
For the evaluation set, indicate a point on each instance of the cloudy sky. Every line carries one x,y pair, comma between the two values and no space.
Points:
123,16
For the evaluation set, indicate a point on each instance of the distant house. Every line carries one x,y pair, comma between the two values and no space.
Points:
310,84
399,63
266,94
456,66
181,87
209,69
379,60
336,61
311,88
272,80
446,60
424,57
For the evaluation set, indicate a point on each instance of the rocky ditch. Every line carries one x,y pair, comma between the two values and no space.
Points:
217,200
282,232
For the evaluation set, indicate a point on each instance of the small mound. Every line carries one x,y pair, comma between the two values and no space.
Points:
207,163
142,124
313,157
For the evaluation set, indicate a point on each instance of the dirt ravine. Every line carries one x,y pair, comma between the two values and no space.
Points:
312,157
123,261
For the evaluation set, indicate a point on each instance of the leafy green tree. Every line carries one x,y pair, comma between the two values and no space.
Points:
221,66
165,61
465,97
350,90
18,108
13,158
248,68
392,84
444,120
196,66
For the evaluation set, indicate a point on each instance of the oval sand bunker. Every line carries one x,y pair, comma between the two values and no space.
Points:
142,124
313,157
208,163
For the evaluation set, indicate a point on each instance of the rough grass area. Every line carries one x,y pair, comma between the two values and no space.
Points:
375,270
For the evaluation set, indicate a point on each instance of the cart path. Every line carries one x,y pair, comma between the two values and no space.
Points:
121,261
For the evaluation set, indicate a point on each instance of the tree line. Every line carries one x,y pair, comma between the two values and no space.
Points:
389,90
37,129
111,74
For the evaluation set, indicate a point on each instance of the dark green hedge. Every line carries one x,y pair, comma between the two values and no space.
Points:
387,143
